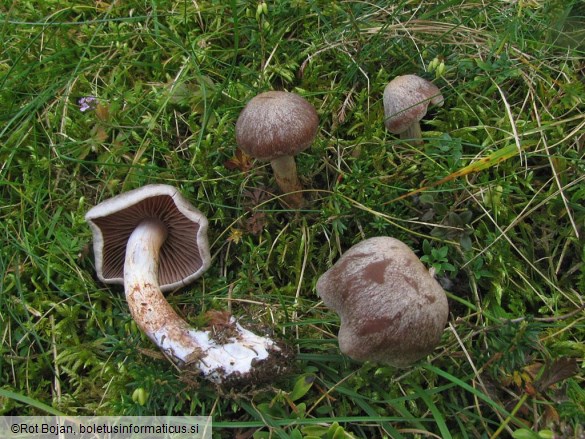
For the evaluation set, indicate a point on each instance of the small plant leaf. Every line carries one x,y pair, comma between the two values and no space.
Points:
302,386
558,370
240,161
524,433
255,224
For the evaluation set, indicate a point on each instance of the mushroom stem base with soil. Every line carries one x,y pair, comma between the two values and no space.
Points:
285,174
234,357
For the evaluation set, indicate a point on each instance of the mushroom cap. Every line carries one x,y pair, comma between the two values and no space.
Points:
184,256
391,309
275,124
406,99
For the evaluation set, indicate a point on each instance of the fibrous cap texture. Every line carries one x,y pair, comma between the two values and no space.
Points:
391,309
275,124
184,255
406,99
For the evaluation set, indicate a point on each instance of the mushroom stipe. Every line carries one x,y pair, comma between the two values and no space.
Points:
158,241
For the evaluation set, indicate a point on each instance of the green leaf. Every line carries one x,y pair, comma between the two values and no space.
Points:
31,402
339,433
302,386
525,434
314,430
437,415
427,247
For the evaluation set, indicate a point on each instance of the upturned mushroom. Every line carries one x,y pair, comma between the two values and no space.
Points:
152,240
406,100
392,310
275,126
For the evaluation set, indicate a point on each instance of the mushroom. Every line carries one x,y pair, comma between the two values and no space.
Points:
391,309
275,126
152,240
406,99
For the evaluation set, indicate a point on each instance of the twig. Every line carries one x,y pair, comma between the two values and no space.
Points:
547,319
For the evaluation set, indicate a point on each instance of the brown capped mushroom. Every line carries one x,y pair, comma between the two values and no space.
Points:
391,309
152,240
275,126
406,99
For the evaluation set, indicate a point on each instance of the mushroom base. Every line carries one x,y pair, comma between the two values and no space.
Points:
220,359
242,359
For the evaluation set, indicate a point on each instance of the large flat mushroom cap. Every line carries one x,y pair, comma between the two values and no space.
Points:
275,124
406,99
184,255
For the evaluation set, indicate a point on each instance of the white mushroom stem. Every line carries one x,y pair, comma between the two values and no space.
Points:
186,346
285,174
413,134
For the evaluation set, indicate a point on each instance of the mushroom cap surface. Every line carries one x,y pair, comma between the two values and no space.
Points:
184,256
391,309
275,124
406,99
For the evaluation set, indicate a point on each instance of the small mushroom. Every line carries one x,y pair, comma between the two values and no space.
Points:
406,99
391,309
152,240
275,126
